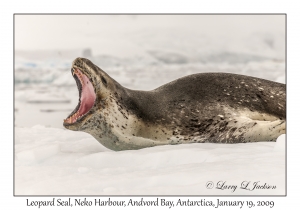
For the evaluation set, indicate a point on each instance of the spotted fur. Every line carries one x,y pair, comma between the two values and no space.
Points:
205,107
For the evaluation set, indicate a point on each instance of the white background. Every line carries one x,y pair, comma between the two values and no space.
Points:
7,199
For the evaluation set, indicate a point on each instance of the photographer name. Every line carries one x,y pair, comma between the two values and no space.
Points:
245,185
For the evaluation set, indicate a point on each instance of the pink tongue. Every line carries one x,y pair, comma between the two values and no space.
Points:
88,96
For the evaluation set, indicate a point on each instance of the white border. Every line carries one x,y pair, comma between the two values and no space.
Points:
55,6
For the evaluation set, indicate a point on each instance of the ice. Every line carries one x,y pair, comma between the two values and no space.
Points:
44,97
58,161
280,144
38,154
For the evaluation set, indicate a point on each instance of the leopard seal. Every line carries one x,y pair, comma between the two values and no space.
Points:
204,107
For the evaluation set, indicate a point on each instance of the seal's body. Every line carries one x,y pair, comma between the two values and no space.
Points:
206,107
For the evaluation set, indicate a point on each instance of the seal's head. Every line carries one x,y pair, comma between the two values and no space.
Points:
94,86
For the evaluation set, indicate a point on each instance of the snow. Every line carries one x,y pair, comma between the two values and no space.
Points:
50,160
280,144
56,161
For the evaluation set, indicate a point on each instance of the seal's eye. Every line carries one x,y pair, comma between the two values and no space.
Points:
103,80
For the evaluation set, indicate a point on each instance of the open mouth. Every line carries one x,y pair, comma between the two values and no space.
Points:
87,97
